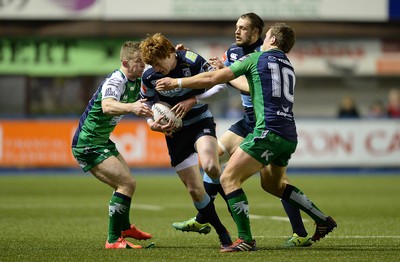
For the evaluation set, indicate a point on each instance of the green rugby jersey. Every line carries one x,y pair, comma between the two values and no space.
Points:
271,81
95,127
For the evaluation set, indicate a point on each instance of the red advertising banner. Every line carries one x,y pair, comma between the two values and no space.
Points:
329,143
47,143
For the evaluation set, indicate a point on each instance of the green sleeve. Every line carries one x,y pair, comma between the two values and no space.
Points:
244,64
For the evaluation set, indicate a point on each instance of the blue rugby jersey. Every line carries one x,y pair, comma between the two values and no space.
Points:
231,55
188,64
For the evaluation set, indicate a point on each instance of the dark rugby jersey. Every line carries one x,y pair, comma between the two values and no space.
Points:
188,64
231,55
272,81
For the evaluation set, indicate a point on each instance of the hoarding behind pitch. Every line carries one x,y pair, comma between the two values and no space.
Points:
322,143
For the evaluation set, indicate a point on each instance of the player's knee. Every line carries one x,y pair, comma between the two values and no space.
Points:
227,182
212,169
267,188
274,189
129,184
196,193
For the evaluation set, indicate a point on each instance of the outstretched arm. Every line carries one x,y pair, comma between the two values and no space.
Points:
113,107
203,80
240,83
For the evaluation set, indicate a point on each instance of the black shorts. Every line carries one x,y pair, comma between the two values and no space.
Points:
182,144
242,128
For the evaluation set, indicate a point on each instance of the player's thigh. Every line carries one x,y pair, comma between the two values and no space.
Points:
113,172
207,149
124,163
240,167
230,141
207,146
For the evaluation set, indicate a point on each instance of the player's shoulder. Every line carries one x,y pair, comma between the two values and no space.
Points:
116,77
234,53
234,48
188,56
150,74
274,54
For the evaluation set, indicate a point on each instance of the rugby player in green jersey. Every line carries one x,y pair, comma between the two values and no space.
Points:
248,33
95,152
271,82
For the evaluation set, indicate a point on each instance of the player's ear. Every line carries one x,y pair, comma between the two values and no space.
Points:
125,63
273,40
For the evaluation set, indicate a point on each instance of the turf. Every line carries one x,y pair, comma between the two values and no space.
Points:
64,218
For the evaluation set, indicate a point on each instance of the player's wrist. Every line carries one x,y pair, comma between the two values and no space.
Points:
179,82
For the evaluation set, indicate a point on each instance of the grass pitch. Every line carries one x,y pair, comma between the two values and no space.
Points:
65,217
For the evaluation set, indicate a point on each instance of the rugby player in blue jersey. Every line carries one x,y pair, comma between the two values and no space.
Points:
95,152
196,139
249,28
271,83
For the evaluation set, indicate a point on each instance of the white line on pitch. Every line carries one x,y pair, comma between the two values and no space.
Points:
147,207
276,218
365,237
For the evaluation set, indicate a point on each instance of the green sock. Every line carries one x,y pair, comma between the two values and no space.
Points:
239,207
296,197
118,215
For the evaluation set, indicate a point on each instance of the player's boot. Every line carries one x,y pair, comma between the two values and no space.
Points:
296,241
192,225
121,243
322,229
239,246
225,240
135,233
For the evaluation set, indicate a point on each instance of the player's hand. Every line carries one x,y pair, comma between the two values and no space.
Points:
166,83
139,108
183,107
180,47
216,62
166,129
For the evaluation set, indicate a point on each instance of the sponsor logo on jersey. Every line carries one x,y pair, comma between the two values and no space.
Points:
191,56
186,72
284,114
110,92
233,57
267,154
115,120
173,92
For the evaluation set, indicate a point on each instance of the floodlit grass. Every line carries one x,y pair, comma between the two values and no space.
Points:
65,217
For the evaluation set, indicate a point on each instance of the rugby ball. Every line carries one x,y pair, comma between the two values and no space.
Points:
163,110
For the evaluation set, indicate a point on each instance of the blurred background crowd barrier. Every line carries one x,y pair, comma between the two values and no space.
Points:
322,144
